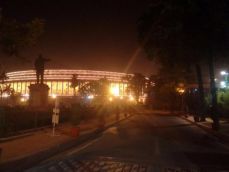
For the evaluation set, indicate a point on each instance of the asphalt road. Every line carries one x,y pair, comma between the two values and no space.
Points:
147,142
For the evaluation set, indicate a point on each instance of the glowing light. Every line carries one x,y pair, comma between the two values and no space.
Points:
5,95
66,75
23,99
110,99
180,90
223,84
223,73
121,97
114,91
26,95
54,96
131,98
90,97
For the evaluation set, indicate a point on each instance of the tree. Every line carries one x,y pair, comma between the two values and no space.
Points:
3,77
137,85
15,36
74,83
103,87
187,33
88,88
163,87
97,88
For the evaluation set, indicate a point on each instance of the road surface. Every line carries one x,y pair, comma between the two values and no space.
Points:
146,142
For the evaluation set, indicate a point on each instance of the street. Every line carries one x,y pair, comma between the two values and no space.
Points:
153,141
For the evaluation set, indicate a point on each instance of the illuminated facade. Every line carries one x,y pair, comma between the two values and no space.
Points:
59,81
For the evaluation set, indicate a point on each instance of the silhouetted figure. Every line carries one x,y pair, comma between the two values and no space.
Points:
40,67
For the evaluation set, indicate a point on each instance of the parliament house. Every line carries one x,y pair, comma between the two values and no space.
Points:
59,80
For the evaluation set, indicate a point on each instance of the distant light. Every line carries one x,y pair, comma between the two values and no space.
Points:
5,95
26,95
54,96
223,84
180,90
110,99
114,91
121,97
90,97
23,99
131,98
223,73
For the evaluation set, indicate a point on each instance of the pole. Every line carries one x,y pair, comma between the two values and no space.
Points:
53,129
182,103
215,117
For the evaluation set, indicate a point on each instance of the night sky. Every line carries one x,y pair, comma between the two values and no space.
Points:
95,34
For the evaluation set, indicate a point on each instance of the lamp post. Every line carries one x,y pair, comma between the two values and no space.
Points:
224,83
181,92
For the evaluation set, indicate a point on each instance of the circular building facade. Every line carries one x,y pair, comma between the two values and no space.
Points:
59,80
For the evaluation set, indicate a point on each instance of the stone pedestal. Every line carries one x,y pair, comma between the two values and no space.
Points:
38,95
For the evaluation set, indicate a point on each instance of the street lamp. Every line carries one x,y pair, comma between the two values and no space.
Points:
225,77
223,73
181,92
223,84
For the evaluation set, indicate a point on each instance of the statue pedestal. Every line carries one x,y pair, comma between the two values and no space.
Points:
38,95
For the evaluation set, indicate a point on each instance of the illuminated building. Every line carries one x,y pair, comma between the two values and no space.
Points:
59,81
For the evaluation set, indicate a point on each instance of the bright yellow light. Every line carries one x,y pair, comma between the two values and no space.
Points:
54,96
180,90
131,98
5,95
23,99
121,97
110,99
114,91
26,95
90,97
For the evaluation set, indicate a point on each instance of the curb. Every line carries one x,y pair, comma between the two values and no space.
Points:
222,137
33,159
23,133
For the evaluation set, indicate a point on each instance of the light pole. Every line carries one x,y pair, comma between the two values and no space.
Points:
181,92
224,83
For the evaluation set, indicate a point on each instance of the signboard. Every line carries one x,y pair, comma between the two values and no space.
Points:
55,116
56,110
55,119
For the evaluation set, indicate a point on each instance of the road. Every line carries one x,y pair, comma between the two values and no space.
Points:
146,142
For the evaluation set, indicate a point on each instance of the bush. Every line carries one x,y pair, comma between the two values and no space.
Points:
3,122
77,113
14,119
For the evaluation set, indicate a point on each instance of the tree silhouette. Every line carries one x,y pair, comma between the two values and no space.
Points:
74,83
187,33
125,79
16,36
3,77
97,88
88,88
136,84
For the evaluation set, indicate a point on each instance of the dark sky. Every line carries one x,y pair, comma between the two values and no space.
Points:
84,34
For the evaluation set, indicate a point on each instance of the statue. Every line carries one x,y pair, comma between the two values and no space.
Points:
39,92
40,67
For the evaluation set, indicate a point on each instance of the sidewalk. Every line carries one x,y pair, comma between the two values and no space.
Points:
222,134
43,140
